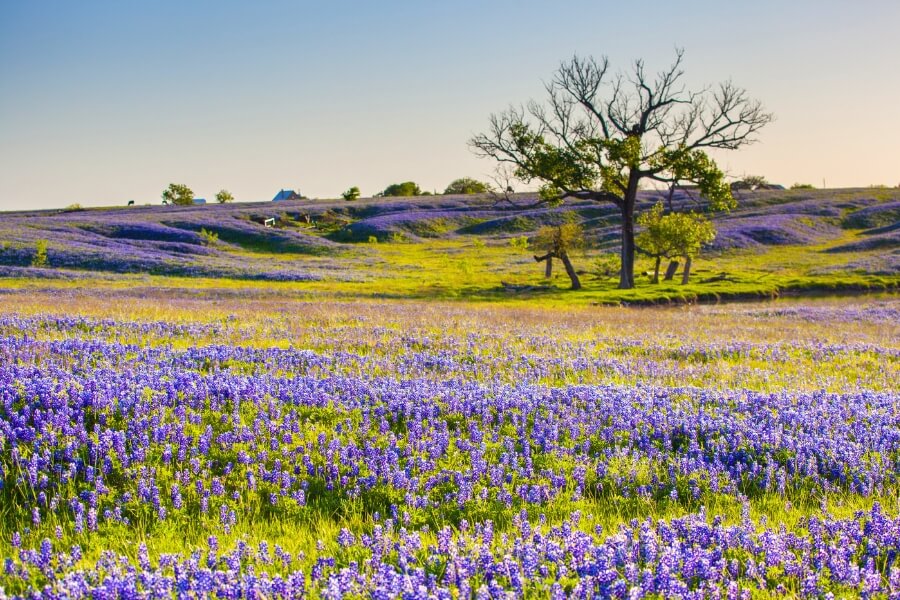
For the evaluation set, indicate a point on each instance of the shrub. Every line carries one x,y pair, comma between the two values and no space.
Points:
351,194
750,182
519,242
607,266
407,188
372,239
209,237
224,196
803,186
40,254
467,185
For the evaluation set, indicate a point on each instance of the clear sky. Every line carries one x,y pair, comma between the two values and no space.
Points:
102,102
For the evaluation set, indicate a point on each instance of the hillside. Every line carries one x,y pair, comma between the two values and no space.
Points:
450,245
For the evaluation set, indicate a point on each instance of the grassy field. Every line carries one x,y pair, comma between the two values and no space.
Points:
440,248
387,399
472,270
233,442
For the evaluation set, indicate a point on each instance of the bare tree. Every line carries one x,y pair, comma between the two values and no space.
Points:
599,136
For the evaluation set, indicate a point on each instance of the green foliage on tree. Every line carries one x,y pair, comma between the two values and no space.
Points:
557,241
599,136
351,194
467,185
40,254
803,186
224,196
178,193
407,188
673,235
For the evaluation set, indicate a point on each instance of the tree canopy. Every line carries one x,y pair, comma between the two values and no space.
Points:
351,194
467,185
178,193
407,188
673,235
224,196
599,135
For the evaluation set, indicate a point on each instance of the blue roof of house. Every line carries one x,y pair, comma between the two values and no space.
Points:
284,195
199,200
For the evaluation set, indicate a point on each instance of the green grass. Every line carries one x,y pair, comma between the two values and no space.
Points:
474,269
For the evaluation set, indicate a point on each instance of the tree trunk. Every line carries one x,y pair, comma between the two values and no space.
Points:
671,197
687,270
570,271
670,271
656,270
548,270
626,276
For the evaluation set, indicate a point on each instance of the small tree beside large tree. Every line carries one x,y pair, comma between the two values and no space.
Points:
600,136
557,241
673,235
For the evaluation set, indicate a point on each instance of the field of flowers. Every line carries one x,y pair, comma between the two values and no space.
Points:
848,237
236,446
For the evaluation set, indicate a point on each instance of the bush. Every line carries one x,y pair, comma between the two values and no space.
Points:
803,186
467,185
40,254
750,182
407,188
607,266
372,239
209,237
519,242
351,194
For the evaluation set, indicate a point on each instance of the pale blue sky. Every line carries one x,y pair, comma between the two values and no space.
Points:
101,102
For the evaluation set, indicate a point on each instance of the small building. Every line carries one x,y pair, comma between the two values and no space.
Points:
199,200
287,195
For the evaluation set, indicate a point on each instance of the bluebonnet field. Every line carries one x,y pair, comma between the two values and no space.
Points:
318,240
258,447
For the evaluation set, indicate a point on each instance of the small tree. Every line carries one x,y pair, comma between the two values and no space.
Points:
653,240
673,235
224,196
407,188
351,194
467,185
686,233
178,193
556,242
750,182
